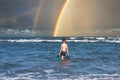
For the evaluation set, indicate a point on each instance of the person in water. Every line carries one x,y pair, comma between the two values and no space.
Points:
64,49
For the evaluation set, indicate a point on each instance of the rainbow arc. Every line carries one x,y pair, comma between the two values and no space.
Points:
59,18
56,27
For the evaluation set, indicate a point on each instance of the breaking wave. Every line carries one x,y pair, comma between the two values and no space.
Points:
70,39
49,76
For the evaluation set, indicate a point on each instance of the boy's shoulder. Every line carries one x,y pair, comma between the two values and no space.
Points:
63,44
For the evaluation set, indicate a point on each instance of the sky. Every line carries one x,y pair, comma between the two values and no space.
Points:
80,18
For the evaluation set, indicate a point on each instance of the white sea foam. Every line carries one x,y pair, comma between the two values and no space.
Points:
72,37
30,40
100,38
56,76
49,71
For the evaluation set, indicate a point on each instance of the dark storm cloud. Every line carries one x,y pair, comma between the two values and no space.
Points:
20,14
49,14
17,13
24,22
16,7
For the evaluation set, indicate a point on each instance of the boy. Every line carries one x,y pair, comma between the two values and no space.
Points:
64,49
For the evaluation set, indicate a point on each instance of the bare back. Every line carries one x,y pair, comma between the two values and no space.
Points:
64,47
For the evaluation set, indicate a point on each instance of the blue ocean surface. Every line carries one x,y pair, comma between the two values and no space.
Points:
32,58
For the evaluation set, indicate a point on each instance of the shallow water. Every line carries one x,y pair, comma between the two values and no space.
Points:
91,58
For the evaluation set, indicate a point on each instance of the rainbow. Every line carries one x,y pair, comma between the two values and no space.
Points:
59,18
37,16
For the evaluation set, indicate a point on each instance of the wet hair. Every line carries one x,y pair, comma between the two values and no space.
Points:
63,39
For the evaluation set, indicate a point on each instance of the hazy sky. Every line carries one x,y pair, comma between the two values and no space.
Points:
81,17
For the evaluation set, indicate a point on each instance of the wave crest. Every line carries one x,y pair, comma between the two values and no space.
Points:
38,76
71,39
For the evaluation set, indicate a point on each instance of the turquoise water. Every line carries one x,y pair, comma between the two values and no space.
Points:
91,58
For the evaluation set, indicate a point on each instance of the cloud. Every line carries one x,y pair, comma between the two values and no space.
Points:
107,32
16,7
22,32
14,32
19,33
17,13
20,14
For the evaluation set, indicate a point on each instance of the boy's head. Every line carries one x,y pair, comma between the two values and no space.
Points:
64,40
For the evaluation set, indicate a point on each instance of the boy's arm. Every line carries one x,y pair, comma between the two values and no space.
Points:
60,50
67,50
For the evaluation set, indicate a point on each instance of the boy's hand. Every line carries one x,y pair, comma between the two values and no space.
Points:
59,54
68,54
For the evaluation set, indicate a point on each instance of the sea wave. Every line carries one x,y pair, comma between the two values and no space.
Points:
30,40
71,39
59,76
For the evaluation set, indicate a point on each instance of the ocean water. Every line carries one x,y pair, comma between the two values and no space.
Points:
91,58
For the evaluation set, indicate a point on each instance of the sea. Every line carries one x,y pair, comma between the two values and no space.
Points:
33,58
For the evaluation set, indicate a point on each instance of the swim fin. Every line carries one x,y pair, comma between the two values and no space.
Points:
57,58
